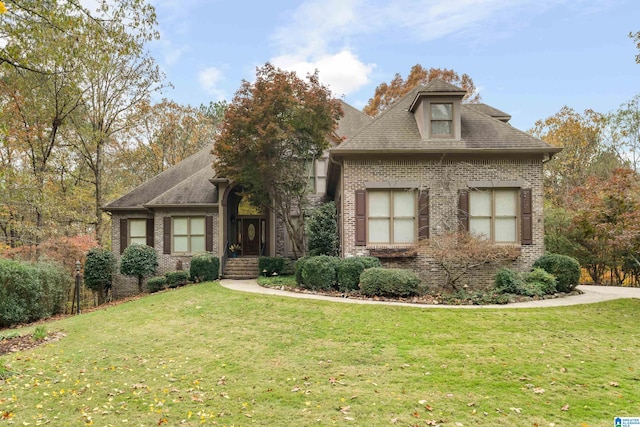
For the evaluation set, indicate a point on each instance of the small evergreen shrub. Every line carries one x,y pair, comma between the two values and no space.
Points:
139,261
156,284
370,261
508,281
349,270
565,269
389,282
542,280
176,278
322,229
288,267
99,267
298,266
204,267
272,264
319,272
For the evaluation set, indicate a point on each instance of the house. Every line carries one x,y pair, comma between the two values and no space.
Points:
427,165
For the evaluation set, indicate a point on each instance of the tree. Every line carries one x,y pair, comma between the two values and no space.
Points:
99,267
323,230
388,93
139,261
636,39
272,129
624,132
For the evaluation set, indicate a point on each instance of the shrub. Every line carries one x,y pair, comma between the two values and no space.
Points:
30,291
370,261
288,267
139,261
156,284
100,264
349,270
565,269
176,278
542,280
272,264
319,272
322,229
508,281
389,282
298,266
204,267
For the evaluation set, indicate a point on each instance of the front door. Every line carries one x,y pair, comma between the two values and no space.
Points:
250,236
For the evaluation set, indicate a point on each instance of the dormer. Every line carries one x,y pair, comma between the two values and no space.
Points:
437,110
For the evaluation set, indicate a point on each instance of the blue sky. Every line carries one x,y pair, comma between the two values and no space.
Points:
527,57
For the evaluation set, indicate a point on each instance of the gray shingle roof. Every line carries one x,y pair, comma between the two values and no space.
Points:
490,111
185,183
352,121
396,131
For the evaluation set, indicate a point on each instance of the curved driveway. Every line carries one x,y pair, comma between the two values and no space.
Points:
591,294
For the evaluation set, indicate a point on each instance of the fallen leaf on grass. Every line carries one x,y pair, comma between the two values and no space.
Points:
565,408
538,390
614,384
516,410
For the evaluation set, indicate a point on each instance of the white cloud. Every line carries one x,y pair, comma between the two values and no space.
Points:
343,72
209,79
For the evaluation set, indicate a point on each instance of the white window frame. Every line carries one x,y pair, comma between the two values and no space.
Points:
189,235
493,217
451,120
140,239
392,217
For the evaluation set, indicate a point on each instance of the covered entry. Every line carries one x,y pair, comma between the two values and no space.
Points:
247,229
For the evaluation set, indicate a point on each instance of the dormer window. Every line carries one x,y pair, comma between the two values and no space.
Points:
441,119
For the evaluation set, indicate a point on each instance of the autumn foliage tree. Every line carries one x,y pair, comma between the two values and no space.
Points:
387,93
272,129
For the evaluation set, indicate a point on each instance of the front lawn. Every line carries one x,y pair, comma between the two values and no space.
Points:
205,355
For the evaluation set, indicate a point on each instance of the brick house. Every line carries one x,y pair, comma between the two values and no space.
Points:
427,165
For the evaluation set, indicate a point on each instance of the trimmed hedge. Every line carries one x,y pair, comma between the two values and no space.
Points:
272,264
370,261
534,283
156,284
349,270
298,266
31,291
389,282
99,267
176,278
319,272
204,267
565,269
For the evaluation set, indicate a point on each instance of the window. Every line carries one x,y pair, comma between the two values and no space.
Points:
494,214
441,119
189,234
137,232
317,176
391,216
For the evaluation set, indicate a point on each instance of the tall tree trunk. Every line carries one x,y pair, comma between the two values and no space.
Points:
98,183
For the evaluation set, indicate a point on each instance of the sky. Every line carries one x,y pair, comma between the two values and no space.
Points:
528,58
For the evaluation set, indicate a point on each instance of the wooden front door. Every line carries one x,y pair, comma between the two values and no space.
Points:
251,236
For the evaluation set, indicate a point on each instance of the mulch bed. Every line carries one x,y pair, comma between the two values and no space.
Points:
26,342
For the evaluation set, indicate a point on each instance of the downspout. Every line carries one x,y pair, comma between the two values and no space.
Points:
340,165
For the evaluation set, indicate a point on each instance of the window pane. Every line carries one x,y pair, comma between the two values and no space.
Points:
321,167
479,203
440,127
138,227
197,244
138,240
180,226
403,231
379,230
197,226
404,203
480,226
180,244
379,203
311,185
505,230
506,202
322,185
441,112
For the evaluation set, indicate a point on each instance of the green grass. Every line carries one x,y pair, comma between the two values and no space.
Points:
205,355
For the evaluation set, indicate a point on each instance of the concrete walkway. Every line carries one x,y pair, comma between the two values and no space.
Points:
591,294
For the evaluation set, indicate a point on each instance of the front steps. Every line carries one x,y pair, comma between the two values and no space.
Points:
241,268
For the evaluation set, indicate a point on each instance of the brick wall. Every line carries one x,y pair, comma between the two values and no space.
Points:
443,179
124,285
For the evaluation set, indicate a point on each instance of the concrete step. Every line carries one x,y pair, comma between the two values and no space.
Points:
241,268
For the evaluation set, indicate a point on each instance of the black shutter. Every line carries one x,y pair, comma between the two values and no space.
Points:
124,234
150,233
463,210
166,235
423,215
208,223
361,217
527,218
